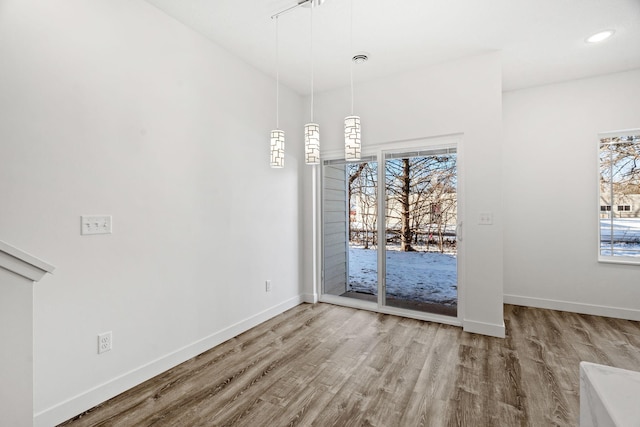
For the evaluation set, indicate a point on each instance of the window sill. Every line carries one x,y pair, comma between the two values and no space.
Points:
619,260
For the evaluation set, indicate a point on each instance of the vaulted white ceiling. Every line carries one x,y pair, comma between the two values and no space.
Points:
542,41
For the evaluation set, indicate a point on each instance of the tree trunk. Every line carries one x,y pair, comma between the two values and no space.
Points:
405,235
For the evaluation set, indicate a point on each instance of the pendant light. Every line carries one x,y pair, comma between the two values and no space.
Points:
277,135
352,136
312,130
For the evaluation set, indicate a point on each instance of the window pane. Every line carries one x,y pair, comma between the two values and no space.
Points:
420,224
620,196
363,230
350,229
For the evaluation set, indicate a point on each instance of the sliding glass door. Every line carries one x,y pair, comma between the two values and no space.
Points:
392,245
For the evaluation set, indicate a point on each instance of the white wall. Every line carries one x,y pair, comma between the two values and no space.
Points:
111,107
456,97
550,195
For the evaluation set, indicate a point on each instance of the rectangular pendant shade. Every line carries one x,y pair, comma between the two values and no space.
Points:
312,143
352,139
277,148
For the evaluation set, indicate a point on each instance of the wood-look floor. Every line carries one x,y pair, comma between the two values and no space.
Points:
325,365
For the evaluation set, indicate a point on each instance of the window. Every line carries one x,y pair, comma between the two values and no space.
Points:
619,193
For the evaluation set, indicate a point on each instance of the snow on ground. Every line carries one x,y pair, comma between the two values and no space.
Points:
626,235
623,228
418,276
431,276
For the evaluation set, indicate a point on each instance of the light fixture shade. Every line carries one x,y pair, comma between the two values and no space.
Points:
312,143
352,140
277,148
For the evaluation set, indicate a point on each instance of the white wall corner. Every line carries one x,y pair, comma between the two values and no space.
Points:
490,329
574,307
310,298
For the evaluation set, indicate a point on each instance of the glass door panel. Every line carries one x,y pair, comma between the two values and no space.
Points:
420,222
350,216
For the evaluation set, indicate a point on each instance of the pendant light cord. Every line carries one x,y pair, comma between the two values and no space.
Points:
312,6
277,79
351,51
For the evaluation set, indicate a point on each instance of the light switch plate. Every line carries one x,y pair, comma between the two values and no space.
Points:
95,224
486,218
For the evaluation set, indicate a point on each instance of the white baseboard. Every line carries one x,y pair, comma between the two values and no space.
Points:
574,307
490,329
90,398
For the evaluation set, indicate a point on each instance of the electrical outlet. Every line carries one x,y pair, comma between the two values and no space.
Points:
104,342
267,286
95,224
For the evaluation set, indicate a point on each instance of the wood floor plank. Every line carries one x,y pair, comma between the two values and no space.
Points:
544,359
428,404
324,365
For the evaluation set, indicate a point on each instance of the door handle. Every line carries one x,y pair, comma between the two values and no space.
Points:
459,232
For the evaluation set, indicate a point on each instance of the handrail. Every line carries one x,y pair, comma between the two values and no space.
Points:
23,263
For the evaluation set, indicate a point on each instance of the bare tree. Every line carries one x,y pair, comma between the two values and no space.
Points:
363,202
354,172
421,200
620,165
405,194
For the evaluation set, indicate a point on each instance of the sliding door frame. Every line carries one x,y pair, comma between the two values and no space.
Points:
379,151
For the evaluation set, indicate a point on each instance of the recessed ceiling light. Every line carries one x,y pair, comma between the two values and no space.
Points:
600,36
